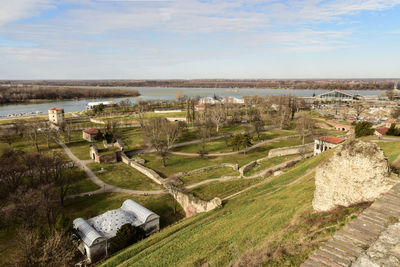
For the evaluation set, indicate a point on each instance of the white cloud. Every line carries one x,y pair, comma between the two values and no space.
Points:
13,10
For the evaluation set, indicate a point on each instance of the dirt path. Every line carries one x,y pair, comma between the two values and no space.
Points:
104,187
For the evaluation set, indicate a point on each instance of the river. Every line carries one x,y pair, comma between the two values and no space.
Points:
152,93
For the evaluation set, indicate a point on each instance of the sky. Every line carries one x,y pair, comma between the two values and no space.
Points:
199,39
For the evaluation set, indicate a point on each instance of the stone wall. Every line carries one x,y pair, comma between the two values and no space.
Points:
357,172
293,150
146,171
193,205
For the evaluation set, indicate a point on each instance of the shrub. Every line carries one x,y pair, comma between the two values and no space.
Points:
364,128
126,236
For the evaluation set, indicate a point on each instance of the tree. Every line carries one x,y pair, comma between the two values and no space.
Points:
305,126
126,236
98,108
161,135
359,109
218,116
364,128
393,130
240,141
204,127
257,122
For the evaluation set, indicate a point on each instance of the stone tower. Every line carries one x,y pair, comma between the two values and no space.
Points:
56,116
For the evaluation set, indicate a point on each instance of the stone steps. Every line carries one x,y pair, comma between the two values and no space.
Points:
346,246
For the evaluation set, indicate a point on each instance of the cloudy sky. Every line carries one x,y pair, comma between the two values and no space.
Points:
130,39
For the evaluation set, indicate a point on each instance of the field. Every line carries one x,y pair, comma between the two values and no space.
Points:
270,223
121,175
210,174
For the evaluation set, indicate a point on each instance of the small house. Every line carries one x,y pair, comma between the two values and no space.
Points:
90,134
95,233
381,131
324,143
389,123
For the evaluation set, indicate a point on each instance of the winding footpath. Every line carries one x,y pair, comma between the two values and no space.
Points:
104,187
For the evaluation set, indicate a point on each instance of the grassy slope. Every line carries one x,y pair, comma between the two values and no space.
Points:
223,235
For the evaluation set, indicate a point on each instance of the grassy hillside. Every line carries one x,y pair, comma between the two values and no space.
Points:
272,223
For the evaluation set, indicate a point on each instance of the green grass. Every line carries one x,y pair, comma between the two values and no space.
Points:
81,149
210,174
268,163
177,163
124,176
90,206
82,186
222,189
255,221
391,149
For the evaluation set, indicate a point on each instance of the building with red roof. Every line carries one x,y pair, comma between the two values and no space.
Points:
324,143
381,131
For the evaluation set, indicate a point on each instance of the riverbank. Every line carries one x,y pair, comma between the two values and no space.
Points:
39,94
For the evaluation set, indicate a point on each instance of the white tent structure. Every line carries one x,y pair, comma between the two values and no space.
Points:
96,232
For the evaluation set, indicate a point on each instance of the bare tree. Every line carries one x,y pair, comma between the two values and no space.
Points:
305,126
218,115
359,109
204,127
161,135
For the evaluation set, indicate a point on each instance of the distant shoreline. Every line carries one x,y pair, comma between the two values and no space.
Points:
37,94
290,84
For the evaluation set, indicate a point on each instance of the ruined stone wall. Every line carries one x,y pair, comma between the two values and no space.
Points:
146,171
293,150
193,205
357,172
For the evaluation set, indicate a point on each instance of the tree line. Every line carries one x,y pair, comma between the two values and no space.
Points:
344,84
21,94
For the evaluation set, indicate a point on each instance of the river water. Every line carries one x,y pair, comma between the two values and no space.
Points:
152,93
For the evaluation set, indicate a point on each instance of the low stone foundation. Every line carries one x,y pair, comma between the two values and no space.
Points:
293,150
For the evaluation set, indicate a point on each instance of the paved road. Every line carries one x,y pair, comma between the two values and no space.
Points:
104,187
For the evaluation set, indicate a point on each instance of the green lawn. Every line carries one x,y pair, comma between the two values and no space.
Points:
177,163
82,186
124,176
222,189
391,149
268,163
270,219
81,149
90,206
210,174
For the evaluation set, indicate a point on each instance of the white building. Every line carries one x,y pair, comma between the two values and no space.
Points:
232,100
56,115
336,95
106,104
324,143
208,100
95,232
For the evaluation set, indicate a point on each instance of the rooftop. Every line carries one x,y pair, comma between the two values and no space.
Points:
331,139
382,131
56,108
91,131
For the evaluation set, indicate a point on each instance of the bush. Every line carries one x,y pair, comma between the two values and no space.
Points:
126,236
363,129
393,130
